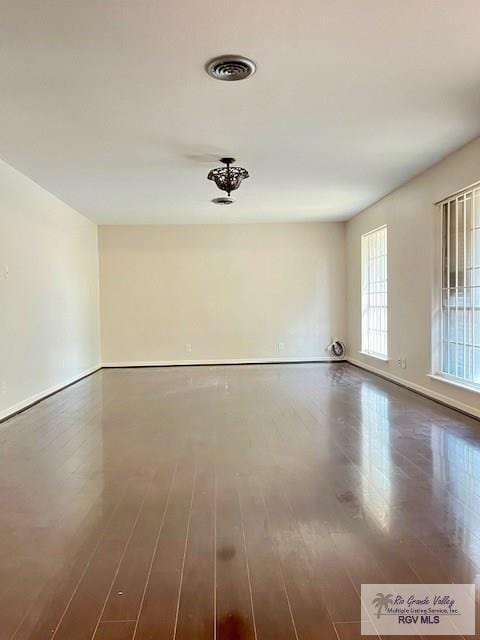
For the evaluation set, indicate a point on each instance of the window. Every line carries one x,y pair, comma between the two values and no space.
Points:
374,293
460,301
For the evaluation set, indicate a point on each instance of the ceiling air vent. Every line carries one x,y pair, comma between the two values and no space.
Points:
231,68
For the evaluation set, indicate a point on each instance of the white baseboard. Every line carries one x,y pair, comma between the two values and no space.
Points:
424,391
177,363
446,400
23,404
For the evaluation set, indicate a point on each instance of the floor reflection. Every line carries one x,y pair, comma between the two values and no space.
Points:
456,482
288,487
375,449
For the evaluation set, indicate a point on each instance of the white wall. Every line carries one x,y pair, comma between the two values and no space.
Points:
234,292
412,218
231,291
49,303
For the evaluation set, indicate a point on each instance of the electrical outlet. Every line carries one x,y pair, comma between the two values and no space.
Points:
281,346
403,362
3,387
188,347
6,271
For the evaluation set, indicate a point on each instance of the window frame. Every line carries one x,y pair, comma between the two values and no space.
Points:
365,347
438,371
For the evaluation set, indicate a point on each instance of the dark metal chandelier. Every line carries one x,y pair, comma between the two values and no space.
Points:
228,178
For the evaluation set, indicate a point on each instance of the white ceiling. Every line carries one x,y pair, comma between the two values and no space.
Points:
106,103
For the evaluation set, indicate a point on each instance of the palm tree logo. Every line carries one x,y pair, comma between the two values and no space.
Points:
382,602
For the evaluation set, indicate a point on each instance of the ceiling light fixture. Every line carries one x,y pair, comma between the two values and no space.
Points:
223,200
230,68
228,178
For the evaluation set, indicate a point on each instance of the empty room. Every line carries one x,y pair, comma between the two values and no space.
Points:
240,319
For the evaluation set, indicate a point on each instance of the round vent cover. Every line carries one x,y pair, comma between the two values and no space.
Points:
231,68
223,200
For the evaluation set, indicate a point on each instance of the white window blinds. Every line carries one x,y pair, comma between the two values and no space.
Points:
374,293
460,302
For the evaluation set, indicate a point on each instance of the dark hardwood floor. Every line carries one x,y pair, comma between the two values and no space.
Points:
229,503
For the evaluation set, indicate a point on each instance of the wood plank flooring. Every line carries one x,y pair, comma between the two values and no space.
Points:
229,503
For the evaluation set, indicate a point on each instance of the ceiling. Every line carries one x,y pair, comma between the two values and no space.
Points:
106,103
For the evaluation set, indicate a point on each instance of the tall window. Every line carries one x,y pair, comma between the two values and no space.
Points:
374,293
460,308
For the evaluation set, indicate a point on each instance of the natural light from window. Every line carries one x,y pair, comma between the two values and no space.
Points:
460,308
374,293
